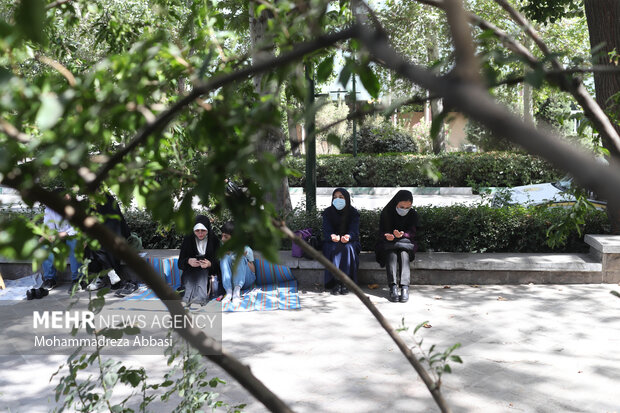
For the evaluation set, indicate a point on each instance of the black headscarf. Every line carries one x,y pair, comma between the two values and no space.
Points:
113,217
212,240
390,220
189,248
340,220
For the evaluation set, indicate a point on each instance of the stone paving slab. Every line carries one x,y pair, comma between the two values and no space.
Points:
526,348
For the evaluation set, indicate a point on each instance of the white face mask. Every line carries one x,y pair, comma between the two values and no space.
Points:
402,211
339,203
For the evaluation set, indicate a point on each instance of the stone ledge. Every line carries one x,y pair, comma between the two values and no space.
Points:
605,244
450,261
434,268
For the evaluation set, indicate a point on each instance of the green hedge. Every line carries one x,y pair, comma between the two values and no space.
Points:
456,169
453,228
477,229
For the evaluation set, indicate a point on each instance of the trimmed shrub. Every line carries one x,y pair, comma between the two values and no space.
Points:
480,229
480,136
465,229
381,138
454,169
454,228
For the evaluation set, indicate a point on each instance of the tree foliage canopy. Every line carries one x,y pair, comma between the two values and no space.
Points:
154,100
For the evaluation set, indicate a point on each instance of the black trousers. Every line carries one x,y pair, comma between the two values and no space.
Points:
398,269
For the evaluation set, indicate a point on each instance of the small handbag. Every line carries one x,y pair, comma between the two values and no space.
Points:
304,234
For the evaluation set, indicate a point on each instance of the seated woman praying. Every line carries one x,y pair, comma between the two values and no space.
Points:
197,260
341,229
236,276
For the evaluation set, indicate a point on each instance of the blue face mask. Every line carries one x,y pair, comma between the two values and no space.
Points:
402,211
339,203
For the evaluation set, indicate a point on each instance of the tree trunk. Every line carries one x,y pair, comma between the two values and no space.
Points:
273,139
603,18
293,137
528,115
439,140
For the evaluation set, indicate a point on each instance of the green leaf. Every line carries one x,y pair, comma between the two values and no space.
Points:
5,75
325,69
616,293
370,82
30,18
419,326
345,74
110,378
333,139
131,330
113,333
50,111
447,369
134,378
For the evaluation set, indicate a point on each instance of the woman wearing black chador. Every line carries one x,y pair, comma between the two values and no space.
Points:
198,260
396,246
341,234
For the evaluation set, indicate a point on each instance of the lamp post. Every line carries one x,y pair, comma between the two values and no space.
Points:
354,122
310,145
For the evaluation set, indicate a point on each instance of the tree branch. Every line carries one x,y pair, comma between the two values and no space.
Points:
467,66
475,102
358,114
508,41
529,30
592,110
12,132
59,67
165,117
206,345
595,113
342,277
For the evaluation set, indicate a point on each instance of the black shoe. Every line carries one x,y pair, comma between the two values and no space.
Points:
117,286
30,294
344,290
81,286
128,288
404,294
40,292
336,289
393,294
99,283
49,284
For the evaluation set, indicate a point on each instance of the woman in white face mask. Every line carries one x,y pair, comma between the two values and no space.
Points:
396,246
341,229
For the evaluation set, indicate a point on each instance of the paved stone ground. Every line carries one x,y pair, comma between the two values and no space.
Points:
526,348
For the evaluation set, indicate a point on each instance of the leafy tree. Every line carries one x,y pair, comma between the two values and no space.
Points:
92,97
